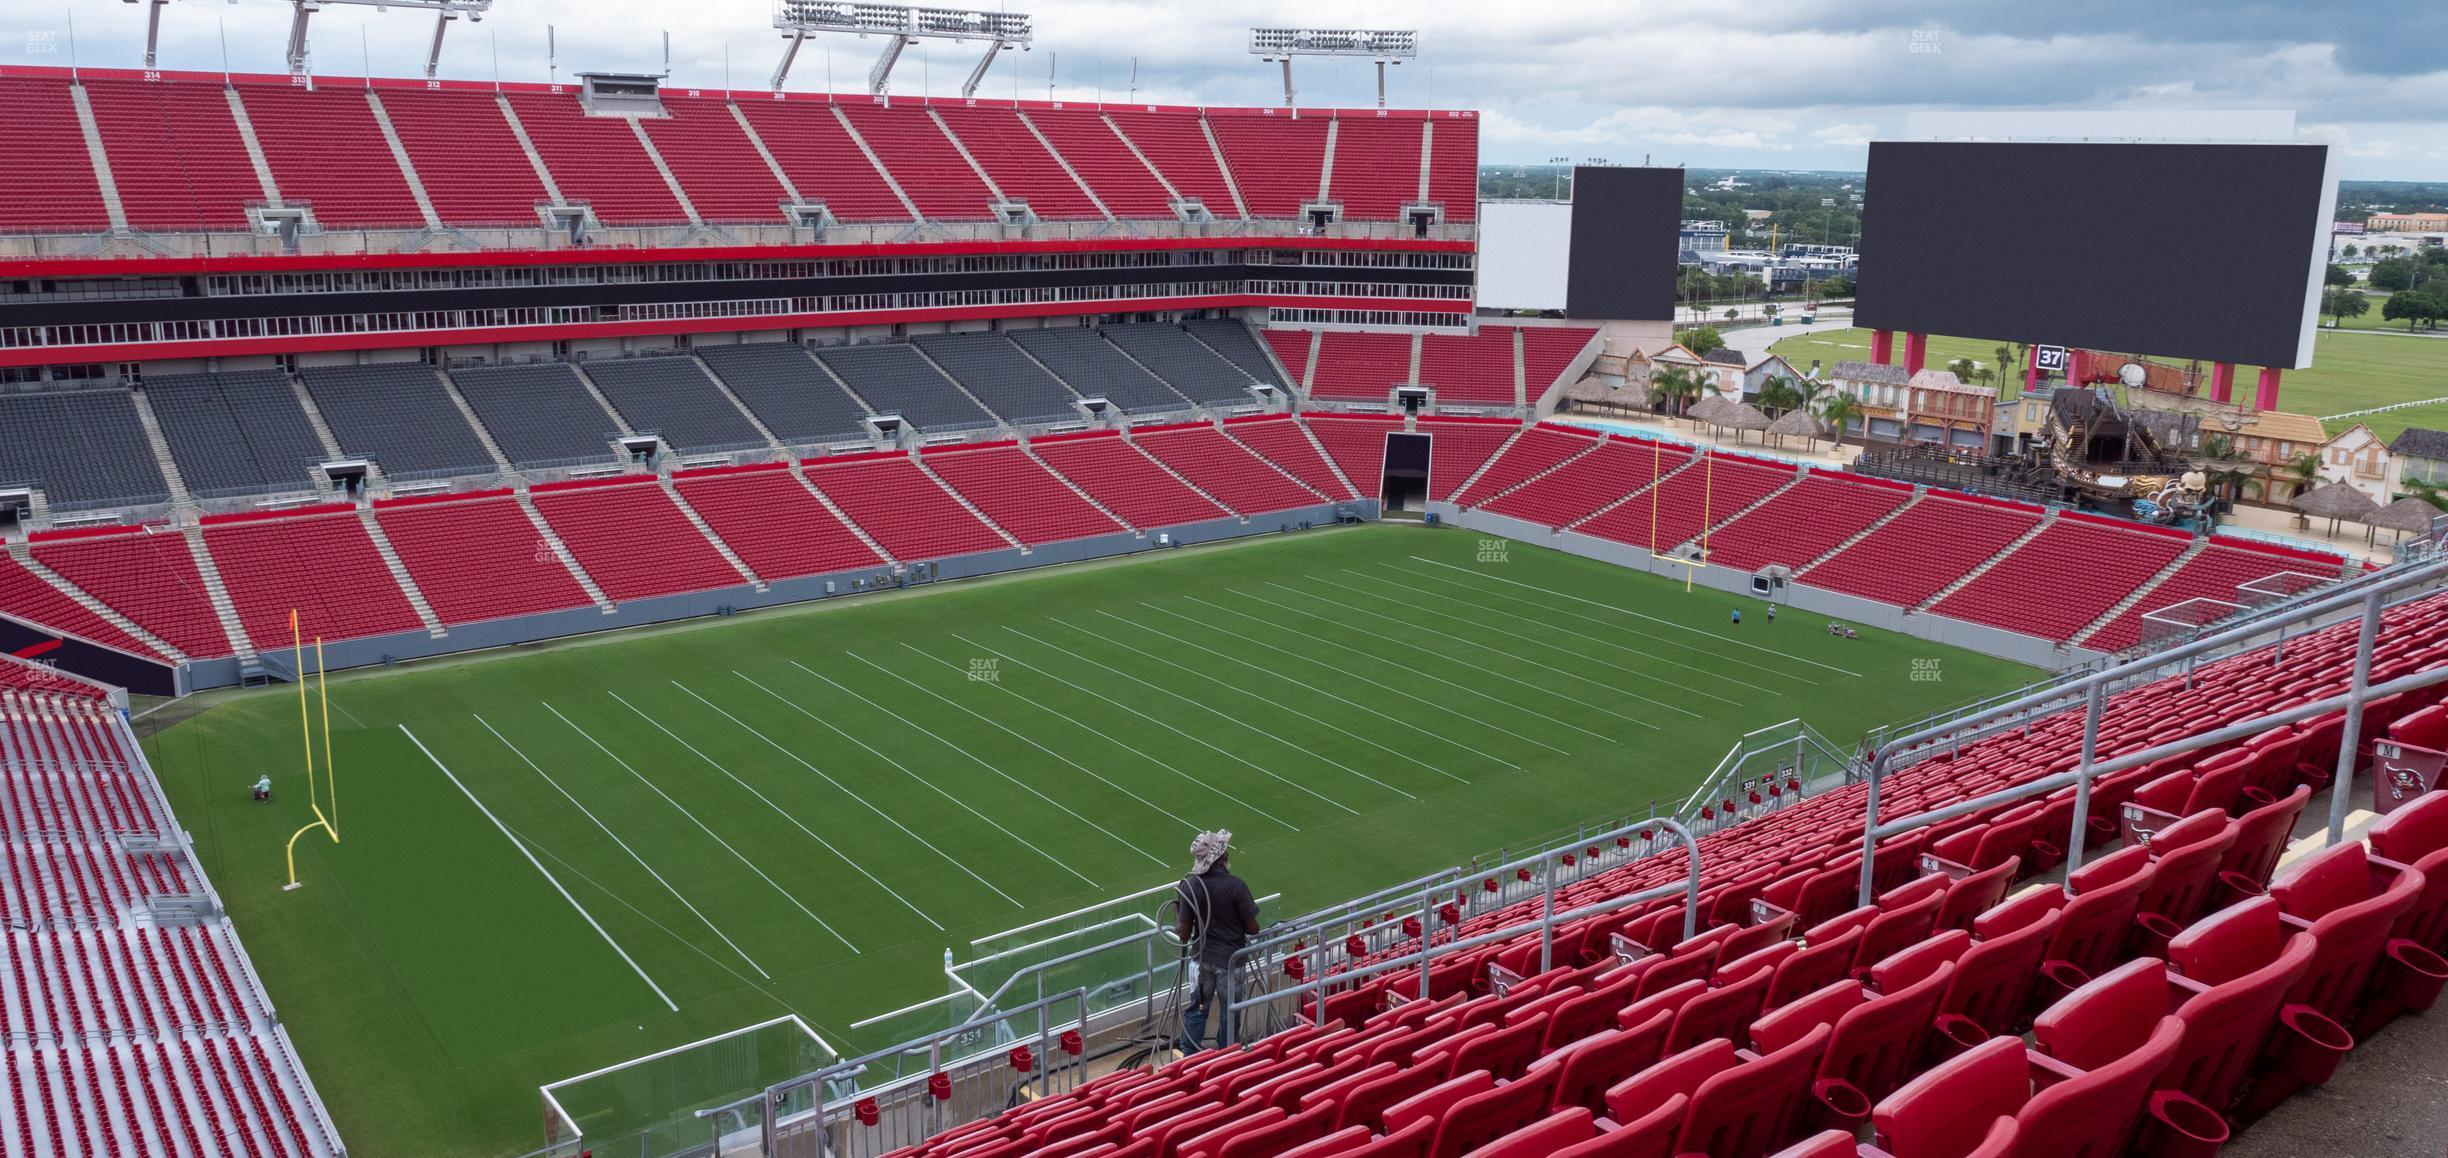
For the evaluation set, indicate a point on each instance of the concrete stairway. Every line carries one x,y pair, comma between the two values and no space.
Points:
1077,489
1862,534
217,594
843,517
103,177
399,573
963,149
1763,500
669,178
1240,207
1467,483
1560,464
1063,161
707,529
724,388
476,424
919,461
518,129
2139,593
254,148
1278,467
872,159
1967,577
1637,492
1334,126
1331,464
25,558
1182,478
561,551
407,167
161,448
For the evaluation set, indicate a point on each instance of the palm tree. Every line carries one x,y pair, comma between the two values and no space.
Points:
1807,391
1839,412
1676,387
2227,469
2005,359
1962,368
2303,471
2433,493
1778,395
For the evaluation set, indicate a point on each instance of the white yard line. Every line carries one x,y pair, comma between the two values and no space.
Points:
780,811
949,702
1479,605
555,882
1226,753
1508,653
589,813
1550,692
1110,738
1271,673
887,817
1210,709
701,827
1373,657
982,762
1166,635
1715,640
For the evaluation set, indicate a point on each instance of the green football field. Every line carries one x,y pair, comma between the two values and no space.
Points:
561,857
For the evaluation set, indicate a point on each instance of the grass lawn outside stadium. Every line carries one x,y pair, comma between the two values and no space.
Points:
799,810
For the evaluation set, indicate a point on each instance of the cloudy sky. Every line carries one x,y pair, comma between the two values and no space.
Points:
1758,83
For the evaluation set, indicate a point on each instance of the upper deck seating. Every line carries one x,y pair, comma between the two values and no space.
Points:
894,379
922,160
1092,366
397,414
821,159
1200,374
41,136
674,398
1002,144
465,155
538,412
175,153
711,156
1102,159
1015,388
596,160
235,433
326,150
84,447
789,392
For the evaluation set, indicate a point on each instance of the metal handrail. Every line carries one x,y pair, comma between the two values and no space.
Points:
2095,685
1425,956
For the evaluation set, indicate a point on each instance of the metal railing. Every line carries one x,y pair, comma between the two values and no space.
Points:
1311,990
2368,595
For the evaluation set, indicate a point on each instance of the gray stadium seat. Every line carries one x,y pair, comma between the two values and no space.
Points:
538,413
1233,339
83,447
1001,376
1198,372
397,414
1096,369
236,433
675,399
789,392
895,380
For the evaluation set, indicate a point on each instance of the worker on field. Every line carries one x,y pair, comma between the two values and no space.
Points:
263,787
1738,617
1218,917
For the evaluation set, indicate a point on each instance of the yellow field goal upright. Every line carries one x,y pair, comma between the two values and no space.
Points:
328,822
1708,492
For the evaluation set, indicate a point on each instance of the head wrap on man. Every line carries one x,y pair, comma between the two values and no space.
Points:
1209,847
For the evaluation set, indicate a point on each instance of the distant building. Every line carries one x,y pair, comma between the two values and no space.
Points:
1758,373
2406,223
2270,439
1884,392
1722,368
1704,237
2422,456
2355,456
1944,409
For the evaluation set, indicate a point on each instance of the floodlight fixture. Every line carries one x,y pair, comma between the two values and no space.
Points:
1384,46
302,11
901,26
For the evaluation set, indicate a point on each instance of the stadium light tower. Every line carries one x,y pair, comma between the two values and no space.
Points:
301,11
900,26
1381,45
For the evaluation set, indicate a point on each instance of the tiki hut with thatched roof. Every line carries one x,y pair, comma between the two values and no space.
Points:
1634,396
1742,416
2406,516
1708,409
2335,501
1587,391
1796,422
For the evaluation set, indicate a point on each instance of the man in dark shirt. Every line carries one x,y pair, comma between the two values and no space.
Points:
1218,917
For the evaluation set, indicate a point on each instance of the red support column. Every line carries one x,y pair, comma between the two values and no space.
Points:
1916,349
1882,346
2031,372
2222,382
2266,396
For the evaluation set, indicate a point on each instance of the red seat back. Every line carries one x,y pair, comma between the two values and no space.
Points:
1484,1117
1593,1065
1578,1017
1504,1052
2417,835
1281,1135
1545,1137
1755,1107
1723,1012
2427,728
1973,895
2185,863
2351,918
1949,1111
2249,961
2093,925
1812,967
2261,835
1896,928
1877,1043
2093,1115
1993,979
